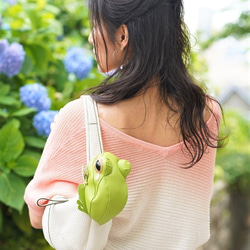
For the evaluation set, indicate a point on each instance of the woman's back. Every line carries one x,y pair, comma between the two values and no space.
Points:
168,205
147,118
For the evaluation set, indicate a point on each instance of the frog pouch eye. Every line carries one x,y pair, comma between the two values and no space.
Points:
102,167
98,166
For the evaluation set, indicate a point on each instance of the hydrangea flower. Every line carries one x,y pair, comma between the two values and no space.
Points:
76,61
10,2
35,96
43,120
11,59
3,46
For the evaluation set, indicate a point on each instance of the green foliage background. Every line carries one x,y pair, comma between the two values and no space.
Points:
46,29
233,161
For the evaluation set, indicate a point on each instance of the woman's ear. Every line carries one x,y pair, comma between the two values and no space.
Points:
122,36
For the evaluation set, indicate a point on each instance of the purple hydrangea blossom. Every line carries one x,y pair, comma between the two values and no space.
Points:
10,2
11,59
3,46
76,61
35,96
43,120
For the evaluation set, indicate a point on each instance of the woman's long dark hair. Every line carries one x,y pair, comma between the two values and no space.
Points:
158,48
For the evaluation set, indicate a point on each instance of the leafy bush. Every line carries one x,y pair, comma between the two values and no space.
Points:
34,39
232,163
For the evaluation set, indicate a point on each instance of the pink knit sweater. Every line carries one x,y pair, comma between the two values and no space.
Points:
168,206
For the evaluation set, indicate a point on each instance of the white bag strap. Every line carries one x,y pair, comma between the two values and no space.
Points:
93,140
93,133
65,227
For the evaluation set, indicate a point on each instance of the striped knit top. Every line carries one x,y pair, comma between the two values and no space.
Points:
167,207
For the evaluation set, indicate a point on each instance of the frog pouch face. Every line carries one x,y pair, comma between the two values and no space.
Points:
104,193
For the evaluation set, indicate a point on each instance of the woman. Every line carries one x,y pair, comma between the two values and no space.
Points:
152,114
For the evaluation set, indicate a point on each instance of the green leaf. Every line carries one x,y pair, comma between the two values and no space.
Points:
40,55
68,89
23,112
33,154
1,220
52,8
22,220
3,113
35,141
8,100
34,18
15,122
4,168
11,142
60,76
4,89
25,166
12,190
27,66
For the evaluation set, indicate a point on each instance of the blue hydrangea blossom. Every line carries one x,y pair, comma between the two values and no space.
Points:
76,61
11,59
42,122
3,46
35,96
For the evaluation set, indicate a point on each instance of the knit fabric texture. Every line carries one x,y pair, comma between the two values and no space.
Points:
167,207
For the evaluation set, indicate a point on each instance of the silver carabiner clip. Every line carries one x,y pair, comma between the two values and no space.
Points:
51,201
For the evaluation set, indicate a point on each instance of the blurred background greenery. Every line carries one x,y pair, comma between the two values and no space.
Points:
47,29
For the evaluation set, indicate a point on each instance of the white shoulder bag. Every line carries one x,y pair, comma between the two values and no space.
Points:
64,226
